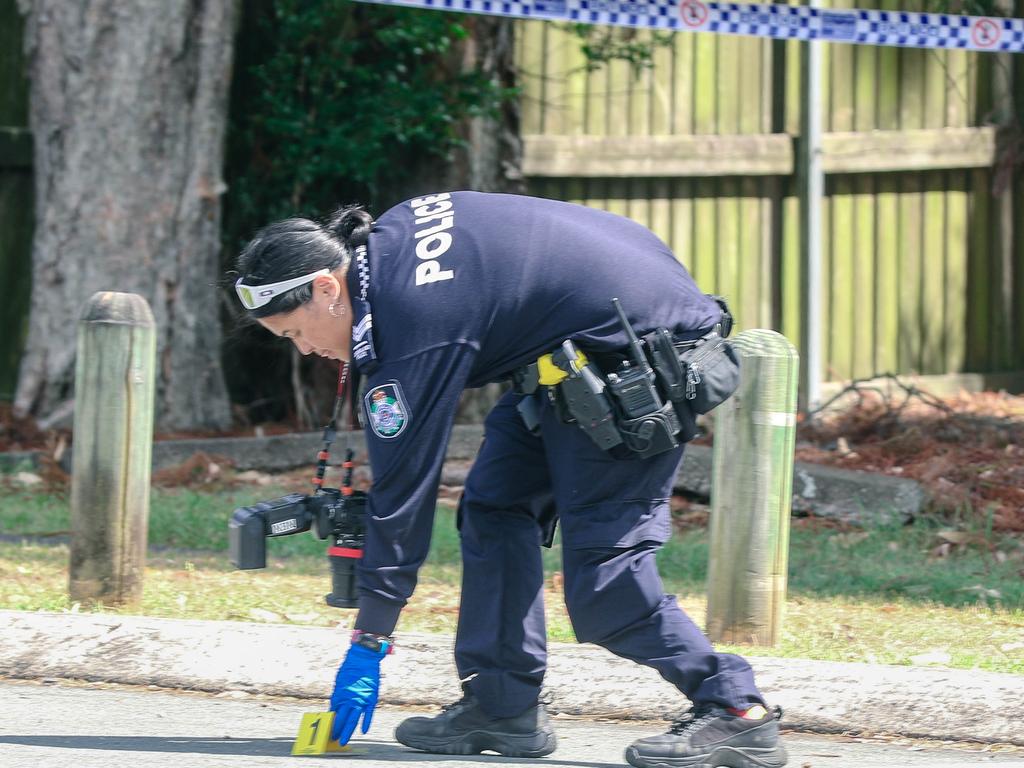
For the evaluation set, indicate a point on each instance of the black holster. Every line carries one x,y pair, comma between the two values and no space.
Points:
695,376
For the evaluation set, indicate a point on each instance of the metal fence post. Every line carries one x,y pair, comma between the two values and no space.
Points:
112,450
810,188
751,495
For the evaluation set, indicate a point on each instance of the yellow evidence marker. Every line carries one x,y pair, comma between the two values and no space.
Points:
315,735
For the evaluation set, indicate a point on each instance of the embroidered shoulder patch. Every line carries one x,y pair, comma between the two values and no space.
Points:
386,410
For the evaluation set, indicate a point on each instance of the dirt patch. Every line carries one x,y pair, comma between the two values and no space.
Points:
967,451
22,433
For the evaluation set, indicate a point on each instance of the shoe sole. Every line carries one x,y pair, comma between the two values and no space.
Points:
473,743
722,757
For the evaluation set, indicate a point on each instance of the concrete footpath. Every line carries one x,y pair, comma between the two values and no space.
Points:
299,661
98,725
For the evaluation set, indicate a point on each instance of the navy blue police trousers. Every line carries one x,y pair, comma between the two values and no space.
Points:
614,516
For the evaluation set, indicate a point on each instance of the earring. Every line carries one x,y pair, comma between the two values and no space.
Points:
338,314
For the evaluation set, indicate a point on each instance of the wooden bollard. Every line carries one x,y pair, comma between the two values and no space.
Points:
751,493
113,446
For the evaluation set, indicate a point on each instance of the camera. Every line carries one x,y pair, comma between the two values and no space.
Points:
335,514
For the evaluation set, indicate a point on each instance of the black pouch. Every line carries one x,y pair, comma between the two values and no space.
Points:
529,410
711,371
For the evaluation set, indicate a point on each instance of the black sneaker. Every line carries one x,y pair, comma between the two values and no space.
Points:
709,736
463,728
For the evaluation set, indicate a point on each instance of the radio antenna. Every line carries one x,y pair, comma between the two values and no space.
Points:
636,351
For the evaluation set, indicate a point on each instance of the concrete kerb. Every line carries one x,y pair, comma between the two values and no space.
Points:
847,495
299,661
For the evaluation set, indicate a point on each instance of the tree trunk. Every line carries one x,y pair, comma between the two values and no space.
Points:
491,158
128,110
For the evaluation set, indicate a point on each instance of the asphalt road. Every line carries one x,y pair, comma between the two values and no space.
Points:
56,724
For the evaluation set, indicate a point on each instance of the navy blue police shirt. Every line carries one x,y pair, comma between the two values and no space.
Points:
457,290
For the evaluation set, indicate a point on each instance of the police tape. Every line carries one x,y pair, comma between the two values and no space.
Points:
786,22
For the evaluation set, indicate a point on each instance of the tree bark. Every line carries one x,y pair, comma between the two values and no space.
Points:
128,111
491,158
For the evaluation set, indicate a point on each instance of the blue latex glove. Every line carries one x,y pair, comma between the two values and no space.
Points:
355,692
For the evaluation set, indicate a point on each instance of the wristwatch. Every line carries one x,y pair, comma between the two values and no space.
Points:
381,644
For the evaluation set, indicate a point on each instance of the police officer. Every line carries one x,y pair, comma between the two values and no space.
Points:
455,290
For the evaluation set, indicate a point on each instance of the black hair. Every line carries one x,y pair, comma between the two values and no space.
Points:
295,247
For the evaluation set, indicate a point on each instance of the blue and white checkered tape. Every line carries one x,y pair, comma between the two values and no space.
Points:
900,28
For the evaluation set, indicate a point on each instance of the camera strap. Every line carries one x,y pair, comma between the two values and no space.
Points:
331,432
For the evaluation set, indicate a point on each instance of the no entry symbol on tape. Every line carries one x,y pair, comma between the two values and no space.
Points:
986,33
693,12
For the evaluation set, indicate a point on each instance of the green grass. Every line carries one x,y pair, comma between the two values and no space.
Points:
884,563
877,595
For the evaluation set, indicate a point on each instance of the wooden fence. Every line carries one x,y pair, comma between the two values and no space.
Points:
923,267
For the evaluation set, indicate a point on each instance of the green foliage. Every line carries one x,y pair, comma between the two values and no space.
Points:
336,101
971,7
602,45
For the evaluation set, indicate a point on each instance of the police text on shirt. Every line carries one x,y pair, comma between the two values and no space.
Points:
436,216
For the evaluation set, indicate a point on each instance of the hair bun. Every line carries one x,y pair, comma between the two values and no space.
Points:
351,225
